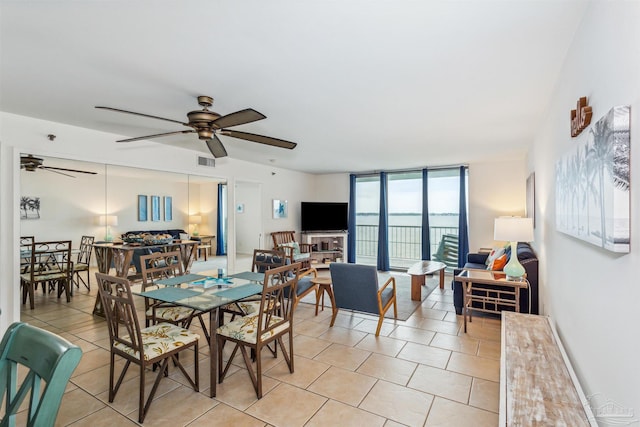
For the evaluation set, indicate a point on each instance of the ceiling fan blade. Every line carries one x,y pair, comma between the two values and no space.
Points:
215,146
140,114
157,135
238,118
67,170
55,171
259,139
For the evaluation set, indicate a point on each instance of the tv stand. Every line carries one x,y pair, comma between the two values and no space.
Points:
330,246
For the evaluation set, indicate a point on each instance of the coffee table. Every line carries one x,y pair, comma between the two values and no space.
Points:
418,271
324,285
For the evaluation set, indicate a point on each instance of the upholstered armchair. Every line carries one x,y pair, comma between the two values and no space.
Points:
356,288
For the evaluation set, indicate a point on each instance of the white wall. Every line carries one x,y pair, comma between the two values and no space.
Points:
591,294
249,222
495,189
19,134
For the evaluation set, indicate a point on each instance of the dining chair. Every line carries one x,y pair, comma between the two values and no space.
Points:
49,265
355,287
163,265
25,247
83,261
146,347
263,260
272,321
34,364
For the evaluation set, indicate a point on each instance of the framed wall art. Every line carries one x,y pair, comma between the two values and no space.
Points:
280,209
29,207
168,208
142,208
155,208
592,185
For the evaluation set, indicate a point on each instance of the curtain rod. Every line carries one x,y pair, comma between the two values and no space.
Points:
375,172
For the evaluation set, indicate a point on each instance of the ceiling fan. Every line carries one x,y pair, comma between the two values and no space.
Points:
31,163
209,124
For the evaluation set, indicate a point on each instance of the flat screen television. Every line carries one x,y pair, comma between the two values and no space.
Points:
324,216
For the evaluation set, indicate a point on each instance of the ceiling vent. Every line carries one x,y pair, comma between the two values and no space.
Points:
206,161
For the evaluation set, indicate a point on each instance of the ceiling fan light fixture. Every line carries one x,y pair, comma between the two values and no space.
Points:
205,133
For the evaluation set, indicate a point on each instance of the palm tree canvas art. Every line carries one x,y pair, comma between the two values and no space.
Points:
30,208
592,185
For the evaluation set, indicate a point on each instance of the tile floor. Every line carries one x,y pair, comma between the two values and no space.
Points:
421,372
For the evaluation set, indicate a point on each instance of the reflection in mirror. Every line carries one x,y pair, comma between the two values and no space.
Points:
114,200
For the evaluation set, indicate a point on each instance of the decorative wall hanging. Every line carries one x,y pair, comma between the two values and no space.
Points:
168,208
592,185
142,208
30,207
580,117
155,208
240,208
280,208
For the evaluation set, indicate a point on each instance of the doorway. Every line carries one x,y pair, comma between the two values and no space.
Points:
248,218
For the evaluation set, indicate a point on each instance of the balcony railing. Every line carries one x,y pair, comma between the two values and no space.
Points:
404,243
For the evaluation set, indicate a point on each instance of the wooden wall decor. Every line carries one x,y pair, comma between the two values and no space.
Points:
580,117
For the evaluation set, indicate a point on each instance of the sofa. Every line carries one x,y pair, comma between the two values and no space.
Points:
529,261
175,234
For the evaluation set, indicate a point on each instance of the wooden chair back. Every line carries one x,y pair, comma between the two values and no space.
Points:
280,237
84,256
265,259
279,282
159,265
120,311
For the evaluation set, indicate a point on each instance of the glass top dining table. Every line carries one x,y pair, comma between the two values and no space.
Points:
206,292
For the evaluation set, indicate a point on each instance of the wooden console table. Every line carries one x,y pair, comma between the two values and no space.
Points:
502,292
537,383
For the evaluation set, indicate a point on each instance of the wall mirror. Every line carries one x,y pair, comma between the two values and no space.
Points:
65,203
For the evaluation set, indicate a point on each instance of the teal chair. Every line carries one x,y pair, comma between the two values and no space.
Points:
50,360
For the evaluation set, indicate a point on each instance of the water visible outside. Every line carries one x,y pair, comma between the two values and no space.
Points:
405,236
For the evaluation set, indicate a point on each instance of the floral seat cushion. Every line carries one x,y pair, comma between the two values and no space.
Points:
246,328
170,313
247,307
159,339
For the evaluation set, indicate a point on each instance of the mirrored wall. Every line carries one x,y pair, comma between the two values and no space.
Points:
66,199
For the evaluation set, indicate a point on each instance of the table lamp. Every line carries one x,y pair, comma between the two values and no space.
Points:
108,221
513,229
195,220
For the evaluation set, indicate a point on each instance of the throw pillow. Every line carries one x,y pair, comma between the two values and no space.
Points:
495,253
295,247
498,263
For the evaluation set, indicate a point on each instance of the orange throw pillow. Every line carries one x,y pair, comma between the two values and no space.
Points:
498,263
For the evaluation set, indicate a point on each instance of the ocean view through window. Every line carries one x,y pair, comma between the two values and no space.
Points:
405,214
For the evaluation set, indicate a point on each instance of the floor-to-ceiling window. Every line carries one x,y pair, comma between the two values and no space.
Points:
404,208
367,210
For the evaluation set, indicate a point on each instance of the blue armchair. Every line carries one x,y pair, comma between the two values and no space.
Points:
355,287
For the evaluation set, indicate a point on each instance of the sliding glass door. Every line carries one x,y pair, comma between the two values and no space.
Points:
367,211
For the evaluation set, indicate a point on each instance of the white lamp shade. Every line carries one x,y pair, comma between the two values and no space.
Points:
195,219
110,220
513,229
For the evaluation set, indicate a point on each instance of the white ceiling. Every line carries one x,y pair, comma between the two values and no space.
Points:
359,84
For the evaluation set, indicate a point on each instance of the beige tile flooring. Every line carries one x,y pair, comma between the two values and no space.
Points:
421,372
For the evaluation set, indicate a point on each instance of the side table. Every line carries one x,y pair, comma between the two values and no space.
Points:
324,285
503,292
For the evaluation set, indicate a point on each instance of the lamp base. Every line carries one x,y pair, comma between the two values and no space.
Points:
514,270
108,237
